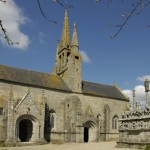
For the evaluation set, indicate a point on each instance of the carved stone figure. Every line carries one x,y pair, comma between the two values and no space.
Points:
146,84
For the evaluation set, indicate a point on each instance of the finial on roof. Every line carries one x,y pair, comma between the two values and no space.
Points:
65,32
74,37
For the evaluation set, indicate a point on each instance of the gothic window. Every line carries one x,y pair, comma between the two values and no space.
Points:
115,122
52,119
99,117
76,57
62,60
1,111
68,54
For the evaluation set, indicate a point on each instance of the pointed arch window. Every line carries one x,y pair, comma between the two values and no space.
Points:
68,54
1,111
115,122
52,119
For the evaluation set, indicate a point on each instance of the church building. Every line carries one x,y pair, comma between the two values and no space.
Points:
38,107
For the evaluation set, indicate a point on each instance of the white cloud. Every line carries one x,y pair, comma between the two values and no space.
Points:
128,93
12,18
143,78
85,57
139,94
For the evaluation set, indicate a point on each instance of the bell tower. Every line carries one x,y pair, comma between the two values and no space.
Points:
68,59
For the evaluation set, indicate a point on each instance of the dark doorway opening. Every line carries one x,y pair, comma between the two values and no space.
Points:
25,130
86,134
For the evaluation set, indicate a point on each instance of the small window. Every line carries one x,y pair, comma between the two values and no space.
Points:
115,122
52,119
1,111
76,57
68,54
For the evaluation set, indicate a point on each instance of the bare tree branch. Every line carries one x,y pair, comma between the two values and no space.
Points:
57,1
138,5
62,5
9,41
143,5
44,14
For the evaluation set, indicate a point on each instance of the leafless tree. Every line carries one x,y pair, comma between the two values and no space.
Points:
137,7
9,41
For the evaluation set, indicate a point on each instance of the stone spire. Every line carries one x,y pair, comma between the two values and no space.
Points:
74,37
65,32
68,59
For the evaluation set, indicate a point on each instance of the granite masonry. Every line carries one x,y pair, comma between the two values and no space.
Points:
134,128
38,107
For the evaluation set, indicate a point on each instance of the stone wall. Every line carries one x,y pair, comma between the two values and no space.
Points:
134,129
73,112
3,129
3,116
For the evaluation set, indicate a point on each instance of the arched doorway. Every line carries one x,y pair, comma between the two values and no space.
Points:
86,134
25,130
88,126
28,129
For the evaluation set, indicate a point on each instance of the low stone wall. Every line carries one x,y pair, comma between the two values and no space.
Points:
134,129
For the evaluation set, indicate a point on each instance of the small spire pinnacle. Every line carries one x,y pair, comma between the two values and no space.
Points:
74,37
65,32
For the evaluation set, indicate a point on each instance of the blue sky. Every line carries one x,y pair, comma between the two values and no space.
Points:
123,60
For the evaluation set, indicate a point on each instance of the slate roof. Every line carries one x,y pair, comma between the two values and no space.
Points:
33,78
109,91
45,80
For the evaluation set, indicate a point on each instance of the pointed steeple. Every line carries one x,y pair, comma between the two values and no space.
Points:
65,32
74,37
68,63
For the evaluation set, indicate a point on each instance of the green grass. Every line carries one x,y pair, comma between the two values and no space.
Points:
57,142
2,145
147,147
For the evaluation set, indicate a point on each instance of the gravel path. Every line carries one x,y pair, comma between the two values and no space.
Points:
70,146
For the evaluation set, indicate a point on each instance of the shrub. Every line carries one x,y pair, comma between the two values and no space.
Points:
147,147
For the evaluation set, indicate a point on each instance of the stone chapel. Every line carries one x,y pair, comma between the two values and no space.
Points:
38,107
